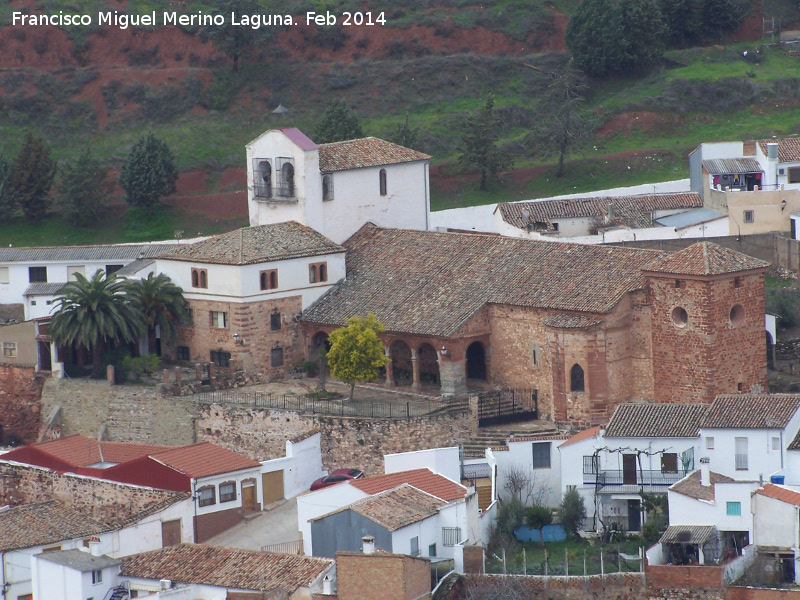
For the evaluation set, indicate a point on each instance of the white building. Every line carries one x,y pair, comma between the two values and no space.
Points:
73,574
776,524
535,458
336,188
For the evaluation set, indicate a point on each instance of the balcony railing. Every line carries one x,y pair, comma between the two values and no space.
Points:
272,193
741,462
646,477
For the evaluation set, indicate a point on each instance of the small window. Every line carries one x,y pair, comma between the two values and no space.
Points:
737,282
680,317
205,496
4,275
97,577
794,174
382,179
48,302
52,549
669,462
327,188
262,179
276,357
749,216
541,455
269,279
737,315
534,356
709,443
590,464
776,443
576,380
555,226
432,550
739,386
221,358
183,353
37,274
318,272
74,270
199,278
414,549
275,321
227,492
312,273
451,536
111,269
678,284
219,319
33,302
9,349
733,509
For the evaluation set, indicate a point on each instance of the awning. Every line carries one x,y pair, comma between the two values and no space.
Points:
728,166
687,534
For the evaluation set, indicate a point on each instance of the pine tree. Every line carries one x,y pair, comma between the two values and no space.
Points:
236,40
479,151
404,135
8,196
149,173
84,186
32,177
337,123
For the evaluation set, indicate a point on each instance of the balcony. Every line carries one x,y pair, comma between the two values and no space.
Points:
741,462
270,193
649,480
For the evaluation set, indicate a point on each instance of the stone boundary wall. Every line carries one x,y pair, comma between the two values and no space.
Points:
261,434
751,593
105,501
20,406
688,577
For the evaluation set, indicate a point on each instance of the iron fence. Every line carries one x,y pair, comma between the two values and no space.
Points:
295,547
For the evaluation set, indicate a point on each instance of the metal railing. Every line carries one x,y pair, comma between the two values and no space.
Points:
638,477
295,547
272,193
305,404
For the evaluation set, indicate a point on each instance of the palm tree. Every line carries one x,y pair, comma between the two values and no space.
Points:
95,312
162,305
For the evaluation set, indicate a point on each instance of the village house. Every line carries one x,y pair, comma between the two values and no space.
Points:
335,188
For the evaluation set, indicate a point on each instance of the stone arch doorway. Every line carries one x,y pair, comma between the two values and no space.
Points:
428,365
476,361
319,349
401,362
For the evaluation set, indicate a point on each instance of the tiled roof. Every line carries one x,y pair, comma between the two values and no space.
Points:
227,567
173,498
788,149
299,138
79,560
432,283
364,152
687,534
630,211
422,479
706,258
582,435
398,508
656,420
795,444
50,288
82,253
134,267
723,166
44,523
779,492
251,245
563,321
204,459
751,411
82,451
691,486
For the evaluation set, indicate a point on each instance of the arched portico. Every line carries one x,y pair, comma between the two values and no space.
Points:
476,361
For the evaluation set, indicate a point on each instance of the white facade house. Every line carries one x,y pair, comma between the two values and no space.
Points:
298,469
73,574
336,188
538,459
776,524
444,461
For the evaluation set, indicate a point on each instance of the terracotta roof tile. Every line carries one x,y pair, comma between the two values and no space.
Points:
44,523
564,321
583,435
82,451
422,479
630,211
227,567
795,443
780,492
434,289
706,258
751,411
656,420
691,486
252,245
788,149
364,152
204,459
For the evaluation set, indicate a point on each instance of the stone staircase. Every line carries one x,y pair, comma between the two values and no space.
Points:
489,437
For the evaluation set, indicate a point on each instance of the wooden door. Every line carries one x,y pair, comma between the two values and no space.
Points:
272,486
629,469
248,496
170,533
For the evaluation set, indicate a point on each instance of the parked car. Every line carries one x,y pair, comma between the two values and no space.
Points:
336,476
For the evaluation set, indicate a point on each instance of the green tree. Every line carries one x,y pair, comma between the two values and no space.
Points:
337,123
8,196
162,305
563,124
616,36
537,517
572,512
32,177
356,353
84,187
96,313
478,147
236,40
148,173
404,135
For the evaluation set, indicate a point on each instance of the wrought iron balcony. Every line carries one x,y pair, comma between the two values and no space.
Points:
632,481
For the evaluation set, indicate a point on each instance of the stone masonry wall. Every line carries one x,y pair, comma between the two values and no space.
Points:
261,434
20,407
105,501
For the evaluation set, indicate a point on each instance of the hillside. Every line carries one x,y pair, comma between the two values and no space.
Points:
435,61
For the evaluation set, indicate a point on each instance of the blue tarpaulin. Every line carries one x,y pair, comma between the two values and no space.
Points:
551,533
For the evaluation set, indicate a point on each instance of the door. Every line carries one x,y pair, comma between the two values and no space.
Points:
272,486
634,515
170,533
248,496
629,469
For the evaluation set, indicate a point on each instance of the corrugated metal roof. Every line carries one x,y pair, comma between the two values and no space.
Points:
44,289
687,534
83,253
726,166
690,217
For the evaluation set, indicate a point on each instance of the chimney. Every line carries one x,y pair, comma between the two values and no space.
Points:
368,544
94,545
705,472
772,150
327,585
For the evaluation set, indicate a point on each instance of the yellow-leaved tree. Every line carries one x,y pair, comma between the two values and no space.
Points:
356,353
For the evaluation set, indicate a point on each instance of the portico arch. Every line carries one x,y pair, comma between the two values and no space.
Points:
428,364
401,362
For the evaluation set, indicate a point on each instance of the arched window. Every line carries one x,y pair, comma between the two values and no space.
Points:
273,280
327,188
199,278
263,280
264,179
287,174
195,278
576,383
323,275
203,279
312,274
382,178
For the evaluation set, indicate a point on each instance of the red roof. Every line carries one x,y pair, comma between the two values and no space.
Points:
706,258
582,435
422,479
82,451
203,460
779,492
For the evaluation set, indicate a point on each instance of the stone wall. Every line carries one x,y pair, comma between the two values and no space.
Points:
261,434
105,501
20,406
689,577
751,593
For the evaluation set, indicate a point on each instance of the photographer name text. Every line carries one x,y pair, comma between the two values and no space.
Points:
199,19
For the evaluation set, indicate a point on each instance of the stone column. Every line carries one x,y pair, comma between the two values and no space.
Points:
453,374
414,370
389,373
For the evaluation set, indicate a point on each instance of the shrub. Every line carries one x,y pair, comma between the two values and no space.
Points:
572,512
